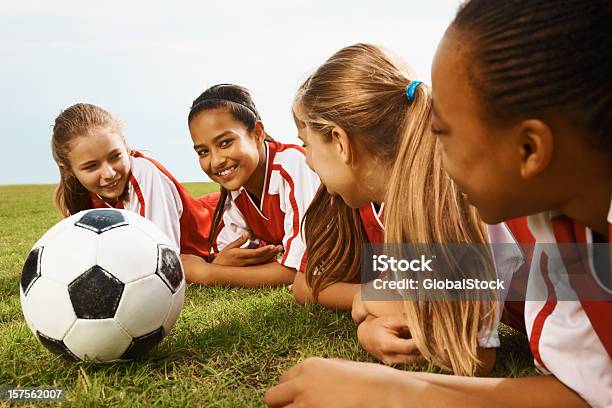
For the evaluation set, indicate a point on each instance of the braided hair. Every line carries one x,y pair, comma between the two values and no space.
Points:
542,57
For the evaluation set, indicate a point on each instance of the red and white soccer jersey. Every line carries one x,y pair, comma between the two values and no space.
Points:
507,260
514,308
156,195
288,189
372,221
570,339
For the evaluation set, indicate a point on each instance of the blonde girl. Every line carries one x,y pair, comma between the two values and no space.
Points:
369,142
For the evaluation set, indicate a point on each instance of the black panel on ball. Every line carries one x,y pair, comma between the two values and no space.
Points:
169,267
95,294
143,344
101,220
56,346
31,269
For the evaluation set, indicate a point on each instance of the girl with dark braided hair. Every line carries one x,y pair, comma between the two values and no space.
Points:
266,187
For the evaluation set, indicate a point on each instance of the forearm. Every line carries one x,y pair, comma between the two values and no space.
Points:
388,301
411,391
538,391
337,296
201,272
268,274
379,308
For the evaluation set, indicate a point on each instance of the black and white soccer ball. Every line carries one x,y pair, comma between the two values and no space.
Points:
102,285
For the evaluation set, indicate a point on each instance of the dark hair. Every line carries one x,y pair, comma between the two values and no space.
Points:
237,100
541,57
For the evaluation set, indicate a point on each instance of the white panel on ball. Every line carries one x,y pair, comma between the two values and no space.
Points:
48,308
127,253
175,310
150,229
52,232
26,316
136,313
70,253
97,340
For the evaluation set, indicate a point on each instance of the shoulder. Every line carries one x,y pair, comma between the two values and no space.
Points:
290,158
147,170
287,147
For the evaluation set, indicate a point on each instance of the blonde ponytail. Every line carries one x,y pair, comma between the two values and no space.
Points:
361,89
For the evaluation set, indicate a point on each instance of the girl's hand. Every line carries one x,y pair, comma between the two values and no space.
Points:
233,255
387,339
359,311
318,382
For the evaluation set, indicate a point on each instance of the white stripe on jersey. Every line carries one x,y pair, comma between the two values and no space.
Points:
508,258
287,167
569,346
305,185
163,205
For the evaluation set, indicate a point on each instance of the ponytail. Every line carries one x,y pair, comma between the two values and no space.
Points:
424,206
363,89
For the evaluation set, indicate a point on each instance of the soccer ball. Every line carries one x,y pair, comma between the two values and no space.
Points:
102,285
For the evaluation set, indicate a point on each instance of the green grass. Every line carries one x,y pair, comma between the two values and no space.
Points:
227,348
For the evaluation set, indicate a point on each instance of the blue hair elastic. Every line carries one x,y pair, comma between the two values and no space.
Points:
411,89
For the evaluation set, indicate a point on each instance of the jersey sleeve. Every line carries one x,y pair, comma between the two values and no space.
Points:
298,190
162,202
233,225
508,258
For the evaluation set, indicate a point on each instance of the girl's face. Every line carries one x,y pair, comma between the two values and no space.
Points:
101,163
326,158
229,154
483,160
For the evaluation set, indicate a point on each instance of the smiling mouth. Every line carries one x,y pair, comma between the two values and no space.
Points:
112,185
226,172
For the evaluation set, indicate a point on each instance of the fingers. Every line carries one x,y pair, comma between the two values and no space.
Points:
401,346
291,373
238,242
395,322
281,395
268,250
259,255
287,388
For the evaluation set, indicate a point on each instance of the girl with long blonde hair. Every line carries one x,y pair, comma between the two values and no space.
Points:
365,124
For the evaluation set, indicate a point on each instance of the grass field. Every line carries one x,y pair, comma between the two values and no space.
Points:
227,348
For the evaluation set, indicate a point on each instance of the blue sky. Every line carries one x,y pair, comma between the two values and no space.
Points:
145,61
